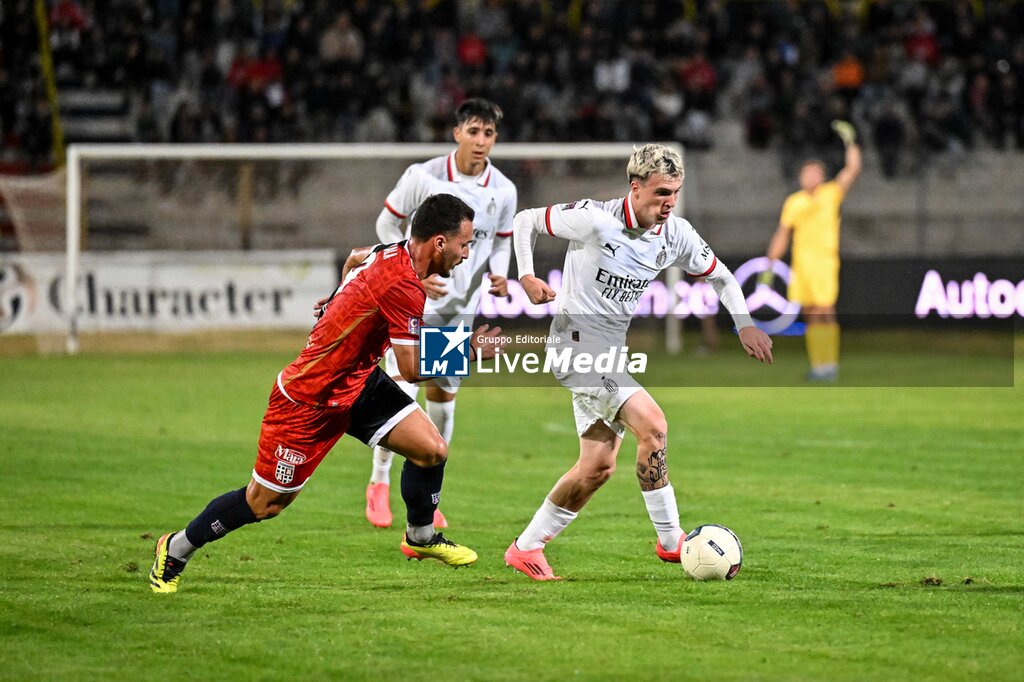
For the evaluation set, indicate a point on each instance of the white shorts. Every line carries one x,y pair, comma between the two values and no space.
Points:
591,404
449,385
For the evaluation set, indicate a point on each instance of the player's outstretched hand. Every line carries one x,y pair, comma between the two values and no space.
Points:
435,286
537,289
846,132
757,344
319,306
499,285
487,342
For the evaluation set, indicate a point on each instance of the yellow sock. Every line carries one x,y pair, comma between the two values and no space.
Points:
831,356
817,341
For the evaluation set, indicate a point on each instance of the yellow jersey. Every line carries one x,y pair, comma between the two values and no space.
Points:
814,219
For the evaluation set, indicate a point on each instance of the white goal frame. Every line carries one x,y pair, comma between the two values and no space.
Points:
78,153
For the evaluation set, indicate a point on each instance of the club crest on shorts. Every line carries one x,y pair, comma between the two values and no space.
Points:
610,385
289,455
284,473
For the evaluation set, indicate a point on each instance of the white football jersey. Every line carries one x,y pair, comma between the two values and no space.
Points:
491,195
610,262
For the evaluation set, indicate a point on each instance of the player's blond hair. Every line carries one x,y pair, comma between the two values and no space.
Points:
654,158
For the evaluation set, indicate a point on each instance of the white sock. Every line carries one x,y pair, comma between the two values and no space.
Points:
381,465
420,534
179,547
443,416
661,507
548,522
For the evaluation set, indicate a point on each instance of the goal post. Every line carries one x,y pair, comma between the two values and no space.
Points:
552,170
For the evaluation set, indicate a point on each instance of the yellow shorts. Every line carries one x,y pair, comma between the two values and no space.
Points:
818,286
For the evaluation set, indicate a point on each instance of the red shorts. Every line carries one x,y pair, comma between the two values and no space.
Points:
295,438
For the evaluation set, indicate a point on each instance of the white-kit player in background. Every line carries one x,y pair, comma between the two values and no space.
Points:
468,174
615,249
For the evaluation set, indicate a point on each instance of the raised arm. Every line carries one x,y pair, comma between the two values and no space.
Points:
852,163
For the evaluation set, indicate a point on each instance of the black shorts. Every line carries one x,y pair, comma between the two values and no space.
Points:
379,408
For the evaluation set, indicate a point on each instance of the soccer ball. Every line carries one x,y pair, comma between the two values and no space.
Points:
712,552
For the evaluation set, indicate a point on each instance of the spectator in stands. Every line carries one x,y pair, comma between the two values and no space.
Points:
1008,108
184,127
341,45
310,71
848,76
760,124
889,134
945,132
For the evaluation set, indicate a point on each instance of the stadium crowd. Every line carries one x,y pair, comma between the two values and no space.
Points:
914,76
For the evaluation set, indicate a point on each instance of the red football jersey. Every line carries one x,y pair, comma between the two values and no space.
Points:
380,303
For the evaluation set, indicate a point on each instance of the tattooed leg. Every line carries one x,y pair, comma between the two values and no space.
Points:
652,465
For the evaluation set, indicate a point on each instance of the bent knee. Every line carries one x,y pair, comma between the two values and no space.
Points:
655,434
599,474
435,453
268,509
268,512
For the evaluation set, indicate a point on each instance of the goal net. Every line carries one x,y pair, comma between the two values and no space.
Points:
172,238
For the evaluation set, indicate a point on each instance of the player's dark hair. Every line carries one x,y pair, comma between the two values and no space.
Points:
478,108
440,214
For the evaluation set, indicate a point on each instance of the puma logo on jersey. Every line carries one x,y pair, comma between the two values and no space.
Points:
612,249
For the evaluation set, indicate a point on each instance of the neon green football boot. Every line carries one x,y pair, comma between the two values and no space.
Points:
166,571
438,547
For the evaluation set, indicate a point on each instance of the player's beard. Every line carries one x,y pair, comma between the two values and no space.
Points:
448,270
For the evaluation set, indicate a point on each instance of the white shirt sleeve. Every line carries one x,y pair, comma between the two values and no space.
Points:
524,236
730,294
508,214
696,257
501,254
389,227
412,188
573,221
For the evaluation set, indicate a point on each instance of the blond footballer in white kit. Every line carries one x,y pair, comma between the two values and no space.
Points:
468,174
615,249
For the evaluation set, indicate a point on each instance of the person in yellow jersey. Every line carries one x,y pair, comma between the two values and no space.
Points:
811,217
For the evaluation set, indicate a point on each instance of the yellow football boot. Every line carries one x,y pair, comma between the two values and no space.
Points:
166,571
441,548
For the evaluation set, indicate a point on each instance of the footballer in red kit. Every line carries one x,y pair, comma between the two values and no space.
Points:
378,305
335,386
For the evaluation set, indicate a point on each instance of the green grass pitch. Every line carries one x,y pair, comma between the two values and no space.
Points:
883,531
